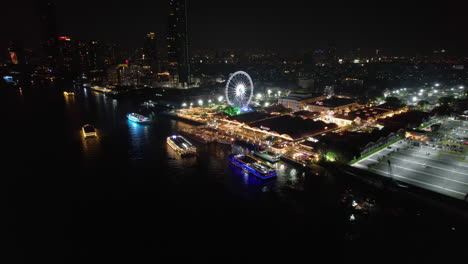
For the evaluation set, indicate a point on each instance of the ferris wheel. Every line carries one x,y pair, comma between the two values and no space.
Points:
239,89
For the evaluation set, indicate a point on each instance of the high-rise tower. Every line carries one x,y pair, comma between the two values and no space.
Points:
177,41
48,25
150,50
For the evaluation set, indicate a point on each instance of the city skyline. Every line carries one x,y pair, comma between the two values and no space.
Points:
396,30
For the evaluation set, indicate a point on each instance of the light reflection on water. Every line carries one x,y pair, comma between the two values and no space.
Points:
139,139
146,147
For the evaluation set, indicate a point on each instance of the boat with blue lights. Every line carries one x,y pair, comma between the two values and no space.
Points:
137,118
253,166
181,145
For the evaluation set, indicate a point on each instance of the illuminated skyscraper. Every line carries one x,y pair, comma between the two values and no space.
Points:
150,50
65,54
48,25
177,41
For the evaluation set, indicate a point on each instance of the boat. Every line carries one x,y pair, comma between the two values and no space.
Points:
181,145
253,166
68,93
137,118
88,131
223,141
268,156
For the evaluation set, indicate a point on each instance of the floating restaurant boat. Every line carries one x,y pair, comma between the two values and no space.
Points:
88,131
268,156
223,141
181,145
253,166
137,118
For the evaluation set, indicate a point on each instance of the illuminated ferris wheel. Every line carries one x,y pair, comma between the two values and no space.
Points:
239,89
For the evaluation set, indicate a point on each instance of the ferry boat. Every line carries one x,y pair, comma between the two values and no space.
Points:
88,131
68,93
137,118
268,156
253,166
181,145
223,141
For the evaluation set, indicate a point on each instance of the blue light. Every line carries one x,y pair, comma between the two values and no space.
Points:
8,79
250,169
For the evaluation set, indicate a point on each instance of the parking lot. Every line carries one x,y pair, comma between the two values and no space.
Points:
428,166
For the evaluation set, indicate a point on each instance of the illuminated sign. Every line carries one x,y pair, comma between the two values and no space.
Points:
64,38
265,128
13,57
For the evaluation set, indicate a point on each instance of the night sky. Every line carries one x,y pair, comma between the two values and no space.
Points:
395,27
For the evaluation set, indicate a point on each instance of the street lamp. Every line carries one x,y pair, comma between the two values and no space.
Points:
200,102
220,99
269,92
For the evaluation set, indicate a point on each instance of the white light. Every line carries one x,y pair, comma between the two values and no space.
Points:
240,90
461,87
259,96
267,104
200,102
220,98
415,98
209,101
184,104
437,85
269,92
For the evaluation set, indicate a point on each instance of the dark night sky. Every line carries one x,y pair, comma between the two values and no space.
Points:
396,27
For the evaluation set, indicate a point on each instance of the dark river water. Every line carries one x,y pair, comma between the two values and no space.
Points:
126,193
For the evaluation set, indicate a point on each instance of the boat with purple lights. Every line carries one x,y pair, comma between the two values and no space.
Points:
137,118
253,166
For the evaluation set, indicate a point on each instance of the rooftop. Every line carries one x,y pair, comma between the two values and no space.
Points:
336,101
363,114
295,127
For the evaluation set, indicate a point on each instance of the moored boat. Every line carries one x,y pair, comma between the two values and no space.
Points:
253,166
181,145
268,156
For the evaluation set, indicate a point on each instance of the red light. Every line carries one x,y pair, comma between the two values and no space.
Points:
126,62
64,38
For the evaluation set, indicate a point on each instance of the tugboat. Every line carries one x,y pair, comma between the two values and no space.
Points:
253,166
137,118
181,145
